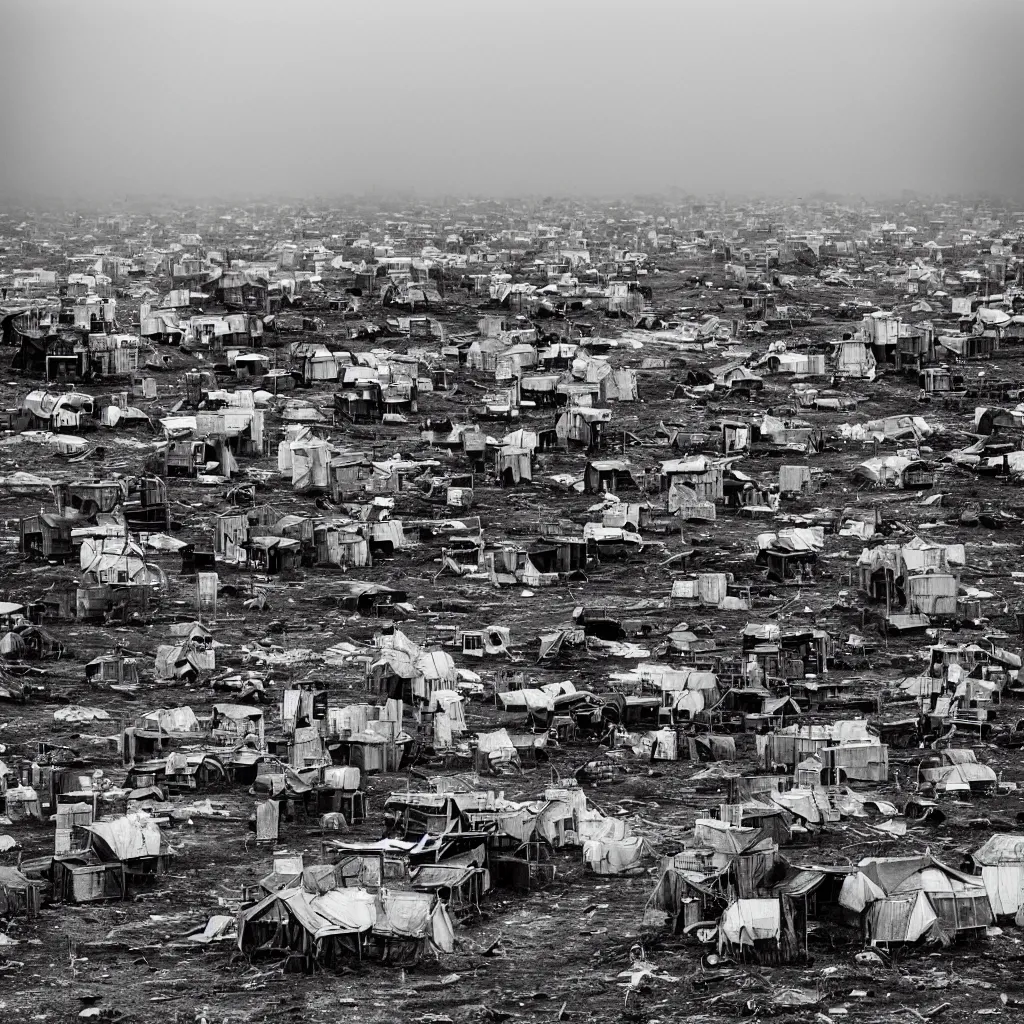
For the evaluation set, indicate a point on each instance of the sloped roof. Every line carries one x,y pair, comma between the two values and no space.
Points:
1001,849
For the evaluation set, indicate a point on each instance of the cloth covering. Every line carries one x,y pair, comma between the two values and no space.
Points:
129,837
267,818
611,857
748,921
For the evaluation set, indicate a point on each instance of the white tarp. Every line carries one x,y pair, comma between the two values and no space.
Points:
748,921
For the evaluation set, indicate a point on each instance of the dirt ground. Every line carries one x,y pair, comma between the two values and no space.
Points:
560,953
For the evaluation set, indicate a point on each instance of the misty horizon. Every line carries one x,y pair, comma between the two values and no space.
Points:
243,101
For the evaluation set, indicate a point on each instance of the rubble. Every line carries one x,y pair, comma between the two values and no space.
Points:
385,603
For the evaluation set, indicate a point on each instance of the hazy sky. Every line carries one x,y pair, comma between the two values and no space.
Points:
106,98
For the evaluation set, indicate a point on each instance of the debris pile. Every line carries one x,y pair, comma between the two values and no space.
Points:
457,590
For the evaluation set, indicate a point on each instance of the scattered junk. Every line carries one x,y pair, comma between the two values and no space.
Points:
446,556
20,897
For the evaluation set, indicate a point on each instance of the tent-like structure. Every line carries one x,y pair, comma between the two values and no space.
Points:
405,671
899,919
895,471
923,897
323,923
1000,862
750,924
615,857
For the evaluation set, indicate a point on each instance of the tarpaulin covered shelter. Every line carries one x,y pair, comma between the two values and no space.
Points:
682,899
405,671
512,465
496,749
118,850
238,723
615,857
895,471
899,919
956,903
178,661
319,925
760,929
1000,862
132,838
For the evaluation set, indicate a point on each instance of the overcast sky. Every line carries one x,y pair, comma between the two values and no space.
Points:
203,98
